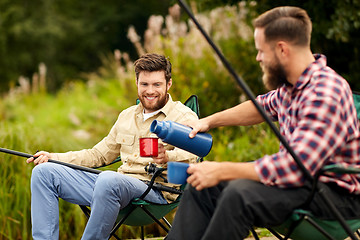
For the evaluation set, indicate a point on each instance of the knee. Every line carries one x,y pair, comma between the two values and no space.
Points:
43,174
239,185
41,171
240,190
107,181
208,195
191,191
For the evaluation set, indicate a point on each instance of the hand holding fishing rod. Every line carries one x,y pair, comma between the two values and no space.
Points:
47,159
39,157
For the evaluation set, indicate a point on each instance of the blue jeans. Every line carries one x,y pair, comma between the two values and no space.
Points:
105,193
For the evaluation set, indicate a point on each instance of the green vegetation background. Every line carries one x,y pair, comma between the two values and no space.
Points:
82,112
71,36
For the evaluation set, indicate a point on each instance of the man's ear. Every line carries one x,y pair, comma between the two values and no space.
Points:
283,52
282,48
169,84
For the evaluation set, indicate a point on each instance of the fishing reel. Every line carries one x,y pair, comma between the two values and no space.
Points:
153,170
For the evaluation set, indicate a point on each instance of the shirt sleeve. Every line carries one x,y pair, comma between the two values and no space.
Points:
269,102
320,131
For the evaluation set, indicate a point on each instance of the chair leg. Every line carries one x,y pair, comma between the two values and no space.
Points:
290,231
319,228
295,224
115,228
142,233
154,218
166,222
85,210
252,230
115,236
275,234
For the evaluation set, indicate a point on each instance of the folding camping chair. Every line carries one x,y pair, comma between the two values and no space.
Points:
303,225
140,212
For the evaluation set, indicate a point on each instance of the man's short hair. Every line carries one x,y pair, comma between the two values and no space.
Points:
152,62
286,23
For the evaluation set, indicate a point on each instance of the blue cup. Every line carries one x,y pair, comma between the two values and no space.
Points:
177,172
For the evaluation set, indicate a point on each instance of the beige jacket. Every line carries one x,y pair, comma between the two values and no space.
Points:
123,140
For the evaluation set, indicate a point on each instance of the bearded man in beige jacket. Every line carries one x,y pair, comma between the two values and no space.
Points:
110,191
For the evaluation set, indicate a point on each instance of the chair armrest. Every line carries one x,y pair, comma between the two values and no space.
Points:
118,159
334,168
340,169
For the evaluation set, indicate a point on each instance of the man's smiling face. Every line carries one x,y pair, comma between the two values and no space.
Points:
152,90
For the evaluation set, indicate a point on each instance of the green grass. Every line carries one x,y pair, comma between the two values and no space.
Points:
45,122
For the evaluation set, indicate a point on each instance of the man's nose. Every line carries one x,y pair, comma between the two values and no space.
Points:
258,57
150,89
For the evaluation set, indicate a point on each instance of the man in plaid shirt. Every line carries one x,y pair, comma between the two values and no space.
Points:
315,111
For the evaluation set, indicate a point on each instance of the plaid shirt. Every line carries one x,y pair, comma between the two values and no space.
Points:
318,118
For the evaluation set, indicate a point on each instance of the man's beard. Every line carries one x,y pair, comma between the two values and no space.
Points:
274,75
160,103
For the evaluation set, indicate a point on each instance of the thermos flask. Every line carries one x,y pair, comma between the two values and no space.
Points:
177,135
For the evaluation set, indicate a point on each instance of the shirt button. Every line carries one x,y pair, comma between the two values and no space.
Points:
135,155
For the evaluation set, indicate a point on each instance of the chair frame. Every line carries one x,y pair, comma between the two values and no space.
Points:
304,215
141,203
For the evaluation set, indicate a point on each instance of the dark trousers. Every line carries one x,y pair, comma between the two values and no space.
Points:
230,209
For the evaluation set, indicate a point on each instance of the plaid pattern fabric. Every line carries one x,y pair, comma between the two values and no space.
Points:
318,118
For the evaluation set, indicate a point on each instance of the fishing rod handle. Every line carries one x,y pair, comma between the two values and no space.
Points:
21,154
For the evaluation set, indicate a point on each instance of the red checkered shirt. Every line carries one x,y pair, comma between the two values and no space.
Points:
318,118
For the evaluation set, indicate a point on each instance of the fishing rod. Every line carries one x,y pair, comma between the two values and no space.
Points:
91,170
21,154
267,119
247,90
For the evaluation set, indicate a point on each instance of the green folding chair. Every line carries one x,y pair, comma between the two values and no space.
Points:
140,212
303,225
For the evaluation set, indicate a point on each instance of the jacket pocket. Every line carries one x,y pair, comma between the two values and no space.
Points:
127,143
125,139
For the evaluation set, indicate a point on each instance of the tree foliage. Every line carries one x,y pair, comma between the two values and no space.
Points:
68,36
335,30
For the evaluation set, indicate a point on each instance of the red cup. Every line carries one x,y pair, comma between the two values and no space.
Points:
148,147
